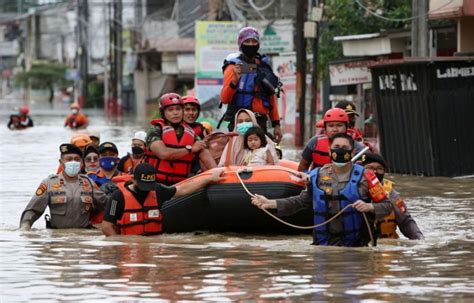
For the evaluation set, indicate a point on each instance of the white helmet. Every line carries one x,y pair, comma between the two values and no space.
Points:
141,135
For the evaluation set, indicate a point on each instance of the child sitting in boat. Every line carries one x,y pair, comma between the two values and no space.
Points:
255,143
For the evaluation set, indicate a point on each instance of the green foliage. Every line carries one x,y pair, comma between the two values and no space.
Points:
346,17
44,75
96,95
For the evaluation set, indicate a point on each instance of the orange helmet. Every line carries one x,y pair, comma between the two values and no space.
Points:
74,105
81,140
24,110
191,100
170,99
336,115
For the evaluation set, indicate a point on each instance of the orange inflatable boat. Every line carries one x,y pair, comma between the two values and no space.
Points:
226,206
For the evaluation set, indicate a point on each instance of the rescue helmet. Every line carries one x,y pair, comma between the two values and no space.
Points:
81,140
248,33
24,110
336,115
74,105
170,99
207,126
191,100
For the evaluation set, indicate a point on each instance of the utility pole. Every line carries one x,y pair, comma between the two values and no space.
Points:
115,58
314,71
300,44
83,25
419,28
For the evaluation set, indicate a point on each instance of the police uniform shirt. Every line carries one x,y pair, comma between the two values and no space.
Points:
116,203
404,220
70,203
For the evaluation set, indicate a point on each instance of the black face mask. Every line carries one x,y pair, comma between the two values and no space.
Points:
250,50
137,150
341,155
380,177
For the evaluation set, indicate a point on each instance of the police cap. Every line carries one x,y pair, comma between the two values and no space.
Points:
107,146
349,107
368,158
68,148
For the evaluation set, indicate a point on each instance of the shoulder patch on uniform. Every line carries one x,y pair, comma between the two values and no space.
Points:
41,189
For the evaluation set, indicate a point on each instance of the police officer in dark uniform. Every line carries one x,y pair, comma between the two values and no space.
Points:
69,195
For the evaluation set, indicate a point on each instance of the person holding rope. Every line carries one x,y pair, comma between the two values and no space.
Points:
342,190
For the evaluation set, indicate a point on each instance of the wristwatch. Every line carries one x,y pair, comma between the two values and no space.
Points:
189,148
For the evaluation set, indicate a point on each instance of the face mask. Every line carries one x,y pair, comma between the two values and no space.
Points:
249,50
340,156
137,150
380,177
108,163
72,168
74,111
242,128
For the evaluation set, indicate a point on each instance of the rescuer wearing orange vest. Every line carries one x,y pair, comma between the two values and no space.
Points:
135,207
316,152
76,119
172,144
387,227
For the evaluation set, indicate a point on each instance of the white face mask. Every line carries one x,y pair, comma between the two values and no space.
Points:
337,164
74,111
72,168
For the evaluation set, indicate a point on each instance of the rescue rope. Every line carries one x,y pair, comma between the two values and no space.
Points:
306,227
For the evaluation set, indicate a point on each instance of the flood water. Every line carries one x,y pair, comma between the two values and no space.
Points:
82,265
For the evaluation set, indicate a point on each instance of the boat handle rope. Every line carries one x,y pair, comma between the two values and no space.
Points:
372,240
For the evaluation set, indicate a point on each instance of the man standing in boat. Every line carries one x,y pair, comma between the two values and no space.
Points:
399,217
249,82
316,152
70,196
332,188
172,144
135,207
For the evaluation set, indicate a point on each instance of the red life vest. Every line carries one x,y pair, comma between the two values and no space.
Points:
320,153
198,129
172,171
139,219
355,133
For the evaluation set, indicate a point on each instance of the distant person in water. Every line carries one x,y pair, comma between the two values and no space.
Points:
20,120
76,119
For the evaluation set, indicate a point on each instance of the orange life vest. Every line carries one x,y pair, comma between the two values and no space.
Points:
388,226
172,171
139,219
320,153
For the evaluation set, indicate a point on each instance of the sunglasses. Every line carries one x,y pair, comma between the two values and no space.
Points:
91,159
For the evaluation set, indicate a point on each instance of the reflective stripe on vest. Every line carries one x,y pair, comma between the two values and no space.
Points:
352,219
138,219
320,152
172,171
245,93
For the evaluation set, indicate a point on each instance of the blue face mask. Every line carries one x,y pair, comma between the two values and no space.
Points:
108,163
243,127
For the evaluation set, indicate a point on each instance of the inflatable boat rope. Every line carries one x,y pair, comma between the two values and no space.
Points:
316,225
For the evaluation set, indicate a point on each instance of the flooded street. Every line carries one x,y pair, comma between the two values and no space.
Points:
81,265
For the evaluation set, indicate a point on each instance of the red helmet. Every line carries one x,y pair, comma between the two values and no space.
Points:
336,115
170,99
191,100
24,110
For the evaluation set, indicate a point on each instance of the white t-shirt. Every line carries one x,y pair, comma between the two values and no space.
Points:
257,156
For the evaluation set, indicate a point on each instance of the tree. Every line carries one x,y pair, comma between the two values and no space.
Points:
44,76
347,17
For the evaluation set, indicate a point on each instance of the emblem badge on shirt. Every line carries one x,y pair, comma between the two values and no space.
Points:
56,186
133,217
41,189
153,213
